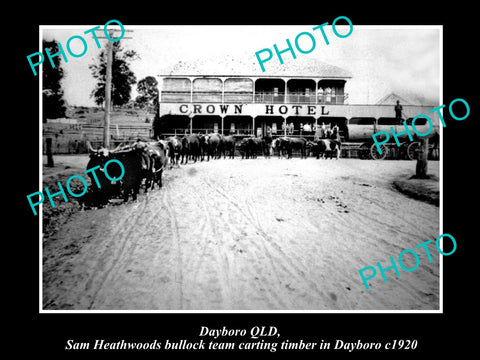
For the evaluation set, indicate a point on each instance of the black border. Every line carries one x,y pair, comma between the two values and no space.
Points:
437,334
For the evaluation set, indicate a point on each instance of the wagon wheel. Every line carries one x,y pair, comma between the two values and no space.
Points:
375,154
412,150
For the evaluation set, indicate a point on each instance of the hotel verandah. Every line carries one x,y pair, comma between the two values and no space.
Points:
219,97
232,103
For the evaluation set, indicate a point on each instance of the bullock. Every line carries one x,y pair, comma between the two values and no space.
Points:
159,154
326,147
281,145
312,148
267,146
213,141
256,146
141,160
227,144
276,143
175,149
243,147
335,143
191,148
250,146
136,165
103,192
285,146
296,144
146,162
185,149
203,148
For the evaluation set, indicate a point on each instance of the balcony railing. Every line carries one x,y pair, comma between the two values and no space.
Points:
246,97
237,97
301,98
270,98
207,96
332,99
176,96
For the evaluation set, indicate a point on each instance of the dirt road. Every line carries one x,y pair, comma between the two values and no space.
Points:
262,234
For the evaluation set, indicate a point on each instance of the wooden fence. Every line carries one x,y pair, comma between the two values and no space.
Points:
72,138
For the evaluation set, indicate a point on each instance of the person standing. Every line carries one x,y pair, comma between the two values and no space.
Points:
307,128
336,133
323,131
291,128
398,110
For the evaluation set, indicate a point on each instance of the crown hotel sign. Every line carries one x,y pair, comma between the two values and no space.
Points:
243,109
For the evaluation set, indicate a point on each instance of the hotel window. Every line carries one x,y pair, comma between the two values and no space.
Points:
176,90
239,90
275,91
207,90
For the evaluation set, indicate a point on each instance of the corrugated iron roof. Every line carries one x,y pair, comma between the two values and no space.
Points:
302,66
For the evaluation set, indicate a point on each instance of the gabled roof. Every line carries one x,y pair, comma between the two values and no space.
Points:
302,66
391,99
405,99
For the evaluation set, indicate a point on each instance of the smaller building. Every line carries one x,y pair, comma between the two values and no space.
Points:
405,99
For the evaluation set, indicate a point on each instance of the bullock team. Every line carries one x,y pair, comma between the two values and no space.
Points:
144,161
198,147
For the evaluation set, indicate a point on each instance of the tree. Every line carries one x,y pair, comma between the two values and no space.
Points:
122,76
148,90
52,92
421,168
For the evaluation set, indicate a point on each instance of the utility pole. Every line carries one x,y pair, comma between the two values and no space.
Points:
108,86
108,97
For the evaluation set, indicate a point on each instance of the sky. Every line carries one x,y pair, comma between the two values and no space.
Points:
406,60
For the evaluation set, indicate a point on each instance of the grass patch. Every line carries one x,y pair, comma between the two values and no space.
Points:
427,190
